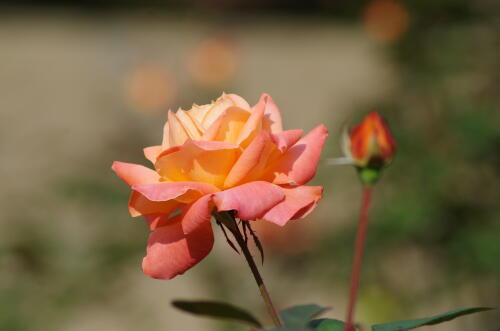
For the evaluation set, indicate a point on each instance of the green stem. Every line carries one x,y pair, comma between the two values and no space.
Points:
358,256
229,221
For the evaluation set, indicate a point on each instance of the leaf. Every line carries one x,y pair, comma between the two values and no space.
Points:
327,324
323,324
412,324
216,310
299,316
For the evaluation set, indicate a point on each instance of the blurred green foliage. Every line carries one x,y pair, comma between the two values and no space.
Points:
441,194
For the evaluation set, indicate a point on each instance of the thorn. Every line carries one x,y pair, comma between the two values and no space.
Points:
245,232
257,242
231,244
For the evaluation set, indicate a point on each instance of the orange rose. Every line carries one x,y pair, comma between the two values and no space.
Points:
224,156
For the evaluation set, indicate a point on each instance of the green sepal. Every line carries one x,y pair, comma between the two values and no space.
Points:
369,175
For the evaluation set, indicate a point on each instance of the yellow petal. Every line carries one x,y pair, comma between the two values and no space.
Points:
216,110
252,127
252,162
237,100
166,137
199,161
231,124
198,113
189,125
177,133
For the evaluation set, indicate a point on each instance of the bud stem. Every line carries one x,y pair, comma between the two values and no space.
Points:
230,222
358,255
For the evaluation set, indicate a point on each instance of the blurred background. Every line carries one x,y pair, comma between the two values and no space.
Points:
84,83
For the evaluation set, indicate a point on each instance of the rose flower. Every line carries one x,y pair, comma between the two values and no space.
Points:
222,156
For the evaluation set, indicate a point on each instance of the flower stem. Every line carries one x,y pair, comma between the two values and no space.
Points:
358,255
229,221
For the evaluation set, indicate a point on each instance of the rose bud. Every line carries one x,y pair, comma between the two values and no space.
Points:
369,146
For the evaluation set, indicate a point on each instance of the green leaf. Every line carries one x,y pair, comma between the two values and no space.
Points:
412,324
299,316
216,310
327,324
323,324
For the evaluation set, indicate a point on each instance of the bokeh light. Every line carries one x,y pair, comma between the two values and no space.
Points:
386,20
213,62
150,88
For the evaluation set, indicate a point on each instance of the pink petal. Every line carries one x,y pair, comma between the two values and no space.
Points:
170,252
134,173
272,113
139,205
157,220
250,200
286,139
299,201
184,192
298,165
193,215
151,153
196,214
